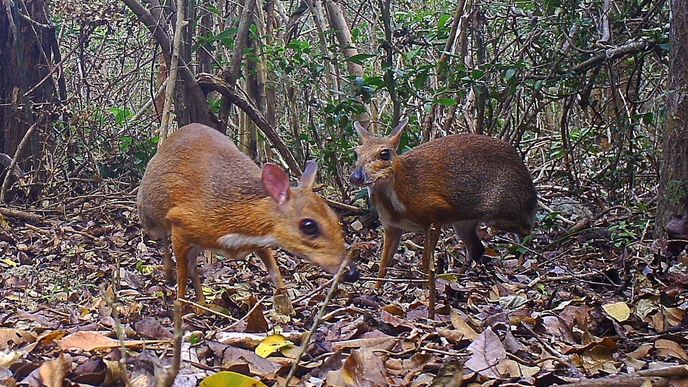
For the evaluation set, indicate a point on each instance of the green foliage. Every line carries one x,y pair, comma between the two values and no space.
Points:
142,150
122,115
624,233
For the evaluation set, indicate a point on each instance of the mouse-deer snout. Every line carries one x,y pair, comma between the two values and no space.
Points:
358,177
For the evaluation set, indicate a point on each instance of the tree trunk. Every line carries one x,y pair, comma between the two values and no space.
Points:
673,185
28,54
343,33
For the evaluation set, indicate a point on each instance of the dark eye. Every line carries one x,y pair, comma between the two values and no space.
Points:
309,227
385,154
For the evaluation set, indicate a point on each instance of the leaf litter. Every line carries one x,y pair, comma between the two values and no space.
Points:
570,314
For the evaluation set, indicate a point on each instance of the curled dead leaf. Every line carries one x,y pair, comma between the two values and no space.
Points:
511,368
461,325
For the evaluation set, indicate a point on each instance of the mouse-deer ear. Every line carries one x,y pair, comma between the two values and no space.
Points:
363,133
276,183
395,136
309,173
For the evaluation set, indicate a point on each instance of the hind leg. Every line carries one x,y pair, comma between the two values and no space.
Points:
167,260
467,231
192,258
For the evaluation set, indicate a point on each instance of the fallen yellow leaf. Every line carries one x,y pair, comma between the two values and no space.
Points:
618,310
229,378
10,262
272,344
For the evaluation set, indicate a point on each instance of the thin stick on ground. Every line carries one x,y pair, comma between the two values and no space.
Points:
171,374
307,338
205,308
109,296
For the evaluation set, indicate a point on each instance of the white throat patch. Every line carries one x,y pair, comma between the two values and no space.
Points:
389,191
239,241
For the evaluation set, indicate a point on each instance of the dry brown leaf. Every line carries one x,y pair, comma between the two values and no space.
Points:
151,328
362,368
580,315
91,372
255,321
416,364
606,342
10,337
634,364
393,309
53,372
669,348
237,357
658,322
641,351
487,351
674,316
452,335
393,320
599,358
557,327
91,340
380,341
513,369
461,325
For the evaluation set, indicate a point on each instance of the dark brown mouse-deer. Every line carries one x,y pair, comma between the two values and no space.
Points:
201,191
459,180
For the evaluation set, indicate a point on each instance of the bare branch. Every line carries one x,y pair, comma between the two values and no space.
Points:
204,114
213,82
172,78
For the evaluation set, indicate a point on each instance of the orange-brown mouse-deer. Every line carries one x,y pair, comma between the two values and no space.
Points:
459,180
207,195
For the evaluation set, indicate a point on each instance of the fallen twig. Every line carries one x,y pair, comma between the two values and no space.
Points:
656,377
257,304
352,210
205,308
21,215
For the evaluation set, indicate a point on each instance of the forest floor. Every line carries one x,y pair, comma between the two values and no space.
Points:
590,301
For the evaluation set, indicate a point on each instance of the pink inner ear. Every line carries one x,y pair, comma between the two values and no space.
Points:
276,182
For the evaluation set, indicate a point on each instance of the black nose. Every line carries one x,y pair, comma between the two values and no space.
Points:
357,177
353,274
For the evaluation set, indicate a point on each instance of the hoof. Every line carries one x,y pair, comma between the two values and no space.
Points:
282,304
353,274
